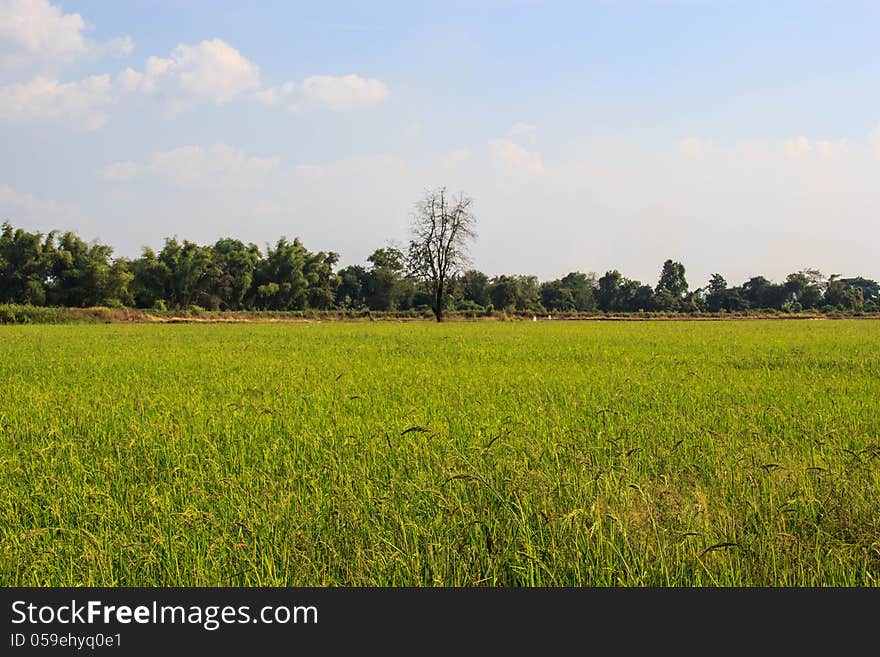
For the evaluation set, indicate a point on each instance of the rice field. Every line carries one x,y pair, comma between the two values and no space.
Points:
742,453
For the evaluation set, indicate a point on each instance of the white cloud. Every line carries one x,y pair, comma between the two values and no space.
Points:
120,171
211,71
874,140
523,131
275,95
801,146
120,46
83,104
835,148
35,34
336,93
691,146
36,213
298,201
187,167
514,158
704,211
797,147
35,26
13,203
348,92
214,70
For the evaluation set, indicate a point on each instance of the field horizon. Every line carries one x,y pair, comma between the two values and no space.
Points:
29,314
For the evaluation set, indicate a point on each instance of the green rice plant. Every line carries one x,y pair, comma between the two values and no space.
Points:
476,454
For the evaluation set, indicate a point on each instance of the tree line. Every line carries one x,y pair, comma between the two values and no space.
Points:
61,269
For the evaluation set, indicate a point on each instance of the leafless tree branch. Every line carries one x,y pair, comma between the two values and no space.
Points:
441,229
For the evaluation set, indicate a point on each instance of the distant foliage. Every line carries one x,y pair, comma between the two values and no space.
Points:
61,269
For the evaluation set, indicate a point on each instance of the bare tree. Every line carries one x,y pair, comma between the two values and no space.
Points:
441,228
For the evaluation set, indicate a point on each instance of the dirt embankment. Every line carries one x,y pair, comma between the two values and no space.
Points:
19,314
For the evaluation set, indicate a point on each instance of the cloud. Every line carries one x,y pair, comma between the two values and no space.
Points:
514,158
797,147
801,146
348,92
336,93
186,191
119,46
523,131
275,95
83,104
623,203
874,140
211,71
215,72
35,213
835,148
13,203
691,146
120,171
188,167
37,35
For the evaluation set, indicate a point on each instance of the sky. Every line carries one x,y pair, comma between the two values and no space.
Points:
735,137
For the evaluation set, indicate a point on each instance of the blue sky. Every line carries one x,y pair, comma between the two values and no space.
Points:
735,137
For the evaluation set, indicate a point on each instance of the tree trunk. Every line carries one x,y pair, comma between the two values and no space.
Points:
438,304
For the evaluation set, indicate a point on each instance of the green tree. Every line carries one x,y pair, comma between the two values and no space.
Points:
505,293
557,297
608,291
192,274
759,293
386,274
279,280
672,286
25,265
843,296
582,287
637,297
870,289
232,274
352,287
716,294
475,287
804,288
151,284
84,275
529,294
318,270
